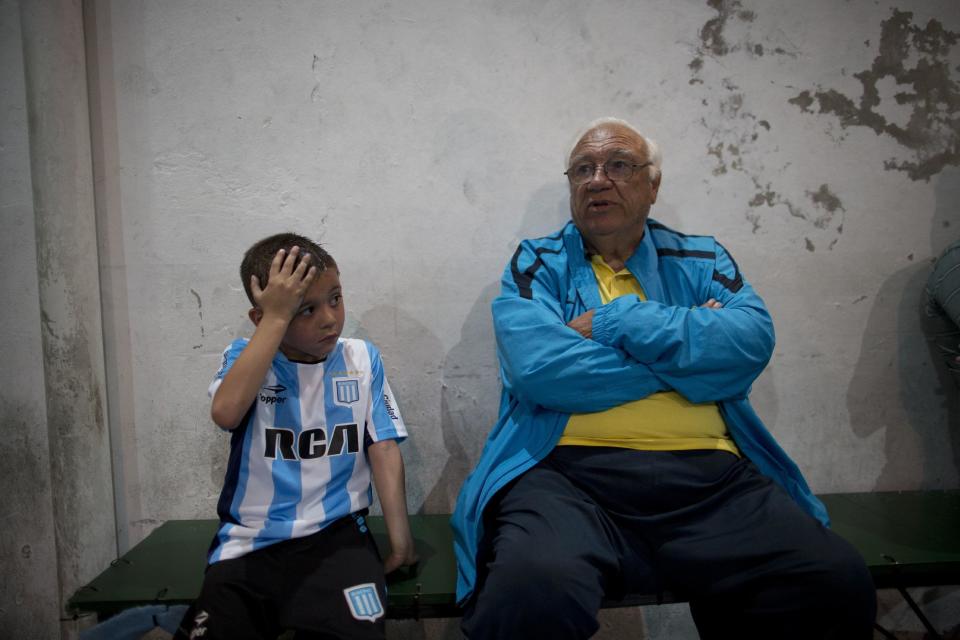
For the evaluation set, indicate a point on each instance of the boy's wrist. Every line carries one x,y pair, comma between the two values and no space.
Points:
276,319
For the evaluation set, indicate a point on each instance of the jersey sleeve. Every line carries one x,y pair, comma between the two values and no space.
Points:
383,417
230,355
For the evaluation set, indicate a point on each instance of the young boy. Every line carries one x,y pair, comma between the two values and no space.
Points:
311,417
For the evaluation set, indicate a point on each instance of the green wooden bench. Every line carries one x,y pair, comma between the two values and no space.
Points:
908,539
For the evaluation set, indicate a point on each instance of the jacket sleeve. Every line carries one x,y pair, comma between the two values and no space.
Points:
545,362
944,282
704,354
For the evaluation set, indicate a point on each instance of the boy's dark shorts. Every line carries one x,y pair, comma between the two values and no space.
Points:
326,585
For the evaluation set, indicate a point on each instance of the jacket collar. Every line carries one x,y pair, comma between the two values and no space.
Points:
643,264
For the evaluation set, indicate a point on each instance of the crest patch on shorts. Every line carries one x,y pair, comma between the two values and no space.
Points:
364,601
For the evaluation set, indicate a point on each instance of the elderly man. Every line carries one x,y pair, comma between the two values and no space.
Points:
626,457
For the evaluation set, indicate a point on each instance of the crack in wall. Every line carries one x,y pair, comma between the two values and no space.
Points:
200,313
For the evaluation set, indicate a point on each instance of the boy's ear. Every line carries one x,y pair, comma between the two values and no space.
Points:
256,315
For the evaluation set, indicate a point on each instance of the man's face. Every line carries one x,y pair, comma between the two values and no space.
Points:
601,207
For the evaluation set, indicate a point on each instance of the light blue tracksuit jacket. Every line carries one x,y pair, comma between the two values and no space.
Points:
638,348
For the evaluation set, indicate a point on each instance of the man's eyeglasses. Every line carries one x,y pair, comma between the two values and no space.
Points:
616,170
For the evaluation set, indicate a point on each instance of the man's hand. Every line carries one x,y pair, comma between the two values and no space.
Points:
286,286
583,324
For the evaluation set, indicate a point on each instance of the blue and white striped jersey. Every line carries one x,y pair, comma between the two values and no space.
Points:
298,461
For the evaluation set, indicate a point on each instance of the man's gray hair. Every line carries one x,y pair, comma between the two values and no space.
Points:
653,149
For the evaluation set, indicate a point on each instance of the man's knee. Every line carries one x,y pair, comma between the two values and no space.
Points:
545,581
535,596
848,588
840,600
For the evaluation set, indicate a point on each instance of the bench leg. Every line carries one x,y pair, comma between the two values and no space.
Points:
916,609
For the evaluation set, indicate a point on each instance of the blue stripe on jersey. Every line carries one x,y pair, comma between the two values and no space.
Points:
239,490
238,466
234,485
287,486
236,460
336,500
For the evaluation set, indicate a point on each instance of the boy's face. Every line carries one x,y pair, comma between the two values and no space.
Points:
314,330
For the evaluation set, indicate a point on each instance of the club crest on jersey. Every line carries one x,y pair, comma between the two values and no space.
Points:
364,602
347,391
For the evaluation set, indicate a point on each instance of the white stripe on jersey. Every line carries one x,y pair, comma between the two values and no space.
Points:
358,487
303,462
315,478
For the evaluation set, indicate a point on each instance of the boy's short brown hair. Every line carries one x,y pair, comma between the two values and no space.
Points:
259,257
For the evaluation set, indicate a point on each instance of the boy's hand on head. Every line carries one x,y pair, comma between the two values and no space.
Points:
286,286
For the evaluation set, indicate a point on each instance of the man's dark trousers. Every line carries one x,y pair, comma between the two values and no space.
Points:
590,522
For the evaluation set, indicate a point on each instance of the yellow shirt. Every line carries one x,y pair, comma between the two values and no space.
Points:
664,421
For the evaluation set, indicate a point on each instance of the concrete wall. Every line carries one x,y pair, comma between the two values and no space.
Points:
421,140
57,489
29,592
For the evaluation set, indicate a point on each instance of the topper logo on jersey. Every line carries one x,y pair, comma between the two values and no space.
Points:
276,398
312,443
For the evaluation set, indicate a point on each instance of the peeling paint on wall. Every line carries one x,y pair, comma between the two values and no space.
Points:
713,40
913,69
736,132
712,33
826,201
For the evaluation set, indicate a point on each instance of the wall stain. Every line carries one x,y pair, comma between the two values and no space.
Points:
469,191
804,100
932,132
736,132
828,201
200,312
715,43
712,34
48,323
766,196
26,481
321,67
